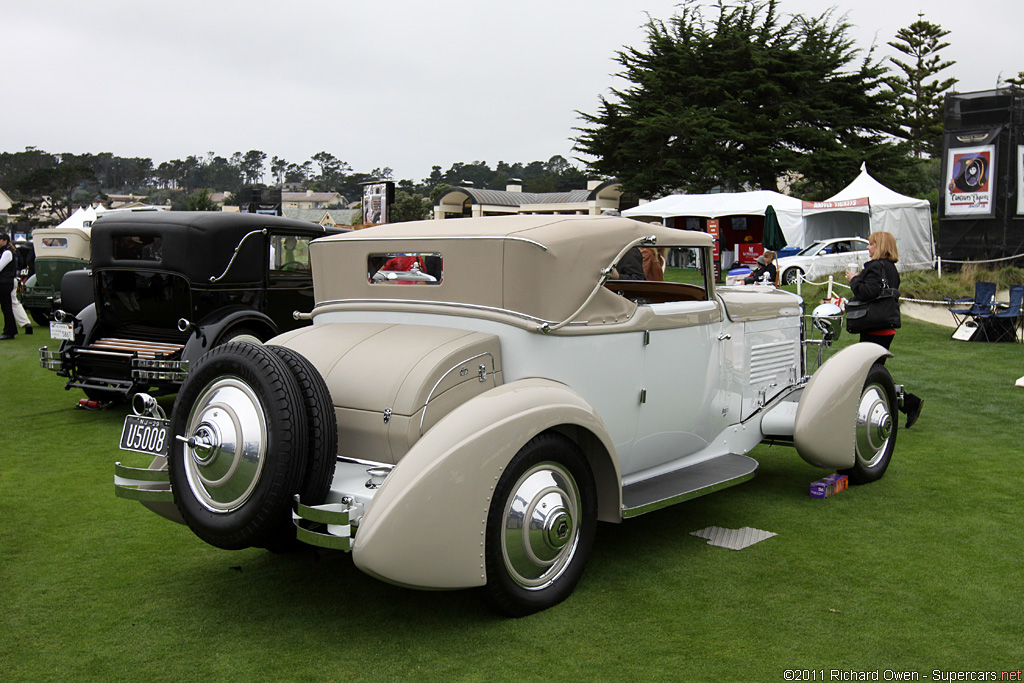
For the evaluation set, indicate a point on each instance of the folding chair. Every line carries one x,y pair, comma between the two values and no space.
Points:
984,294
1004,322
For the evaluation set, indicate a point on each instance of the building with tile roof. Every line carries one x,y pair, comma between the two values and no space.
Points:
458,202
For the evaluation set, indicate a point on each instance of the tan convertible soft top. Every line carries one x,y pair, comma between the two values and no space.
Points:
541,266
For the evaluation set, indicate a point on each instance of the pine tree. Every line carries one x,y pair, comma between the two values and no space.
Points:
738,101
919,96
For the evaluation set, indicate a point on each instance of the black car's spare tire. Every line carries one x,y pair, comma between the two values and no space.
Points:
242,411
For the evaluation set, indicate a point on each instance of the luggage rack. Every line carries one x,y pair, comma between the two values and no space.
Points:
148,360
131,347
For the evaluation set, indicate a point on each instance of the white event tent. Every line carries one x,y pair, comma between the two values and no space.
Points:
865,206
788,209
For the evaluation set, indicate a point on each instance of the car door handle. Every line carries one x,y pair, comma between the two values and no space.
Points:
724,336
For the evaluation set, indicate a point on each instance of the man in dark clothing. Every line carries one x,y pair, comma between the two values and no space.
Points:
630,266
8,270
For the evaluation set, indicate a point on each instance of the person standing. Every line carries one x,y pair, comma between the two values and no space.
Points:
654,263
877,273
8,270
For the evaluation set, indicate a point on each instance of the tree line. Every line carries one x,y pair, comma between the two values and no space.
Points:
75,179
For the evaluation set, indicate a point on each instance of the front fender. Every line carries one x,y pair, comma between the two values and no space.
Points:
425,526
825,427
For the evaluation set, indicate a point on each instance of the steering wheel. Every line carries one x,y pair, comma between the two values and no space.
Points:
294,265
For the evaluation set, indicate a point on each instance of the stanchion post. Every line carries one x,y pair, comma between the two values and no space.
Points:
938,262
830,281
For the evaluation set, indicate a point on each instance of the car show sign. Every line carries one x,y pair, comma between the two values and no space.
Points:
377,199
968,183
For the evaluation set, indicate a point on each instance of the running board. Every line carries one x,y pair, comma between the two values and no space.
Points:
686,483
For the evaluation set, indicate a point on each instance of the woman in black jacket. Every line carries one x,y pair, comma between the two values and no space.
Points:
877,273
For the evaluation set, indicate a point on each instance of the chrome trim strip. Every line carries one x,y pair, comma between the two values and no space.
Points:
320,515
140,474
430,393
146,485
322,540
403,302
651,507
447,238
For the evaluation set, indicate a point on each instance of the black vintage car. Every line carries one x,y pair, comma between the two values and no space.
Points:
167,287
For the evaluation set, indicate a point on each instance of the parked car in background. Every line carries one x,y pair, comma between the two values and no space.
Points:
166,287
822,258
474,395
57,251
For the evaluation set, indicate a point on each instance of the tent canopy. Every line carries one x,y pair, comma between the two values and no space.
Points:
865,206
787,209
862,207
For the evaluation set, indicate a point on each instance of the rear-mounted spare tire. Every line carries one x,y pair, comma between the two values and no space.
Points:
243,414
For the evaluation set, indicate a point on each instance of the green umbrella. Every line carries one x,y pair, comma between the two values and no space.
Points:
773,237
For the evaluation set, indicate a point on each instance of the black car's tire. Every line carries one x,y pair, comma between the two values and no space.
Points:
791,276
41,316
244,334
244,412
877,425
549,480
322,427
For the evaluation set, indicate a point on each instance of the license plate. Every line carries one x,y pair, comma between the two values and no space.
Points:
64,331
145,435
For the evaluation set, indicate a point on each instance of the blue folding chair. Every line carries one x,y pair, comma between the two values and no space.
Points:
1003,323
984,297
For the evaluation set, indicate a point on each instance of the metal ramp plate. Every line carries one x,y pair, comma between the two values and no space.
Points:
686,483
733,539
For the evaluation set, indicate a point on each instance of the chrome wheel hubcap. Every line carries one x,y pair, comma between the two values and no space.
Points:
874,425
540,530
227,445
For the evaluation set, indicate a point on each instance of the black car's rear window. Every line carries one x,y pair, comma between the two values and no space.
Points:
137,248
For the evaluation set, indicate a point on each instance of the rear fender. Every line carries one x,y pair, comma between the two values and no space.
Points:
825,428
210,329
425,526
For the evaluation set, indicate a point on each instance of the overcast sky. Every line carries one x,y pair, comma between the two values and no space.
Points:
400,83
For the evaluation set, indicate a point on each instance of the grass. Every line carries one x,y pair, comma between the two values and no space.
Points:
919,571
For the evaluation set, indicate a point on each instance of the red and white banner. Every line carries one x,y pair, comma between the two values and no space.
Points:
748,253
861,204
969,180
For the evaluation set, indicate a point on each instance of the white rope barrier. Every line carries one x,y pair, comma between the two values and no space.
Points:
832,284
993,260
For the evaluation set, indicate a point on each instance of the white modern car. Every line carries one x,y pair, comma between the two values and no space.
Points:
822,258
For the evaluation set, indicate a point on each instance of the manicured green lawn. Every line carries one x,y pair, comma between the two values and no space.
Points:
920,571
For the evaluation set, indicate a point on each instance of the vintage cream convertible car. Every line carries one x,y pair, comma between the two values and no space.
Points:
468,429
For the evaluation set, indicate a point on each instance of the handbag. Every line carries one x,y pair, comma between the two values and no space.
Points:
880,313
